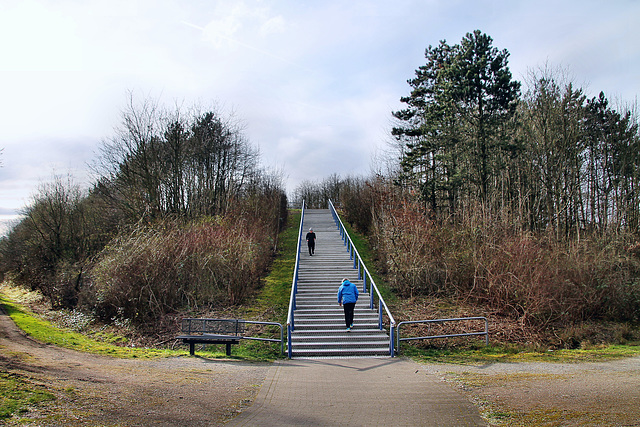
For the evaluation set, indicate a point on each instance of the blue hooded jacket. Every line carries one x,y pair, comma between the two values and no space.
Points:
347,293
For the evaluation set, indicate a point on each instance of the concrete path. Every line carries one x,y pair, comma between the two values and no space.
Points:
356,392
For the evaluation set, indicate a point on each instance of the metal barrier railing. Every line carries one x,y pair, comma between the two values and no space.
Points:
364,275
294,287
468,334
281,340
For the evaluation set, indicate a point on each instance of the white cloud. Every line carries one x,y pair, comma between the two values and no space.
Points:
273,25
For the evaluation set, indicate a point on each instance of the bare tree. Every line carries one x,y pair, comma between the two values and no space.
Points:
163,163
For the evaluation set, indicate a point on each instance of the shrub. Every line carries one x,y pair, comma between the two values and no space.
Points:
49,248
537,280
168,267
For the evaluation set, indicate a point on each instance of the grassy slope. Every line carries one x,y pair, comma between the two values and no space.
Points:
43,331
271,304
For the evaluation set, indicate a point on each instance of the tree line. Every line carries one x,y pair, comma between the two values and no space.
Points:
181,215
548,159
163,163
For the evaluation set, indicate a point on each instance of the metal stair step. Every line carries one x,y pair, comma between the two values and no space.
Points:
356,332
307,327
318,319
339,345
355,352
363,317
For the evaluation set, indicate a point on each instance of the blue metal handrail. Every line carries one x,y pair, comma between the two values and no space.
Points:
253,322
364,275
294,287
457,319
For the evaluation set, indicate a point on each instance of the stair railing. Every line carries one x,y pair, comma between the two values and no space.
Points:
294,287
365,276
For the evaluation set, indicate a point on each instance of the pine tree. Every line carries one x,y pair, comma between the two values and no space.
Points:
455,126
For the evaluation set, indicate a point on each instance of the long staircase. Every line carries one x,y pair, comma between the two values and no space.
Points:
320,330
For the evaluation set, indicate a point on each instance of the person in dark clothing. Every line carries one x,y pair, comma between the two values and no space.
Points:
347,297
311,241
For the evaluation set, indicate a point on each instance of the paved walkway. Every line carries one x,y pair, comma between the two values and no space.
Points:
356,392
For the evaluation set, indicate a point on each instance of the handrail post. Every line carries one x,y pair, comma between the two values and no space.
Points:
391,346
486,331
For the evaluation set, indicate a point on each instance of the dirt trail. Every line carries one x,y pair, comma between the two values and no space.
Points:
103,391
551,394
191,391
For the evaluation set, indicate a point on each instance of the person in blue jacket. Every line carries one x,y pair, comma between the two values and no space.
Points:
347,297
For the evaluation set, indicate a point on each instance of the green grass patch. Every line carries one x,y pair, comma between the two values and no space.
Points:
274,296
18,393
508,353
46,332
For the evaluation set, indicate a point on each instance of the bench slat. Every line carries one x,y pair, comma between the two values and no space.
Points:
211,331
218,326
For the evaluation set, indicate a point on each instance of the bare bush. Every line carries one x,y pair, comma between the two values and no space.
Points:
537,280
159,270
49,249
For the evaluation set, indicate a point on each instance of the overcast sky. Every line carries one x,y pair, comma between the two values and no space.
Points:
313,81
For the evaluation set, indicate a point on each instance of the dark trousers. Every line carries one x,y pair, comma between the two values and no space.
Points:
348,312
312,247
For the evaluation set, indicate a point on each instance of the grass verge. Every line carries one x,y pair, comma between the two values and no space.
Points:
44,331
273,299
507,353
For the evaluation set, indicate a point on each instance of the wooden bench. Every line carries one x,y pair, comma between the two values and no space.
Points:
211,331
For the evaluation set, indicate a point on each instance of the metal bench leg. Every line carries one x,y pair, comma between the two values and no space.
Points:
228,349
192,348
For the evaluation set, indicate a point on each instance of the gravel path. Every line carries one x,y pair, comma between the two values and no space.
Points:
98,390
192,391
551,394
